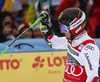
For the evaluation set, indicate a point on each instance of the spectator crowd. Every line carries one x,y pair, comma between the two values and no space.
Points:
18,15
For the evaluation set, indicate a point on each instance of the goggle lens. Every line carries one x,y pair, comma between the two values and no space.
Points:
64,28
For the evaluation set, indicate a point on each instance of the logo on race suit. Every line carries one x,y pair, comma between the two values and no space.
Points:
80,47
67,80
72,70
39,62
89,62
89,47
72,51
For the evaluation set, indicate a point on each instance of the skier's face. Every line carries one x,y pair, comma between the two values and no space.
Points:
65,31
67,34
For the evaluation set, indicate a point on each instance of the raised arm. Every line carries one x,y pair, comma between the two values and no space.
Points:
52,40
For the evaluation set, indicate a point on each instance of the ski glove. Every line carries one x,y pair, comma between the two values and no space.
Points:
45,17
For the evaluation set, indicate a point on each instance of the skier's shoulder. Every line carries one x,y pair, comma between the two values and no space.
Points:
90,45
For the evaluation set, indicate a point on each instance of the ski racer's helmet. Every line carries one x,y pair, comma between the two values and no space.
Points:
73,20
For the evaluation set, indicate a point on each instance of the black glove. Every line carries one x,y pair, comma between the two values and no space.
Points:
45,17
45,29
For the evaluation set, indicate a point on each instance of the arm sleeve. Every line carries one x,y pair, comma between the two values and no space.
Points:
90,57
54,41
58,42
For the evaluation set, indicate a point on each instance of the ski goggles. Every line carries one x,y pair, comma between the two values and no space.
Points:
64,28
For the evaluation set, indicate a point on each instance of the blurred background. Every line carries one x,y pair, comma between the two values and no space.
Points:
17,15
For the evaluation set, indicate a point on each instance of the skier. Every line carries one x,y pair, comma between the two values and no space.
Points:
82,60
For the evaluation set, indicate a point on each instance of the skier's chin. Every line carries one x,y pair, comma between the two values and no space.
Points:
67,38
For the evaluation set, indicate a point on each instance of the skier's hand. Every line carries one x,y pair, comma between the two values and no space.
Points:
43,28
45,17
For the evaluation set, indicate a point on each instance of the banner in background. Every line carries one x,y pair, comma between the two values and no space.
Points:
33,66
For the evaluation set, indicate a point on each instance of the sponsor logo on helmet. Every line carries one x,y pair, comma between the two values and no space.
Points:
79,22
78,30
60,15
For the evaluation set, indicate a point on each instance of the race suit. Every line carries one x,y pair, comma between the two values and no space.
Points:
82,60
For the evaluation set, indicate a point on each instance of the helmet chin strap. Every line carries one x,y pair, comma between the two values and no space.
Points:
72,36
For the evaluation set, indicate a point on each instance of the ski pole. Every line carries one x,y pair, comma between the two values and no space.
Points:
36,22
